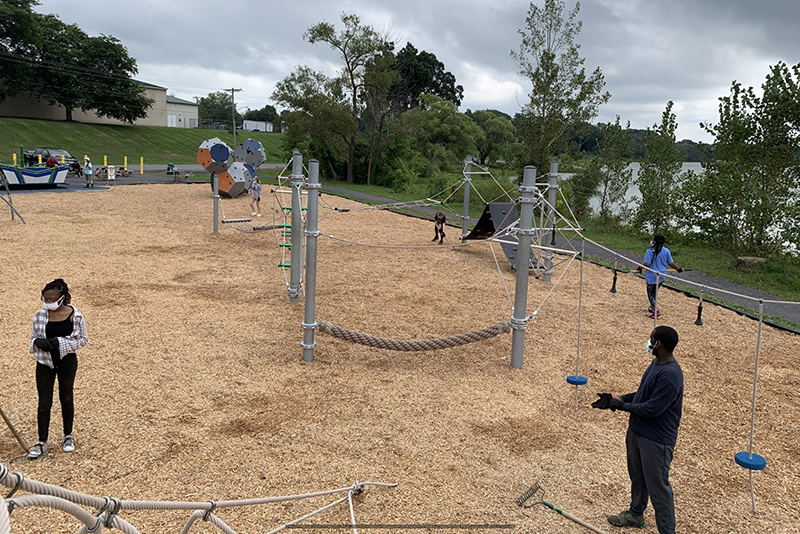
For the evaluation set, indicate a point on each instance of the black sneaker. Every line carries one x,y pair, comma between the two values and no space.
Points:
37,450
627,519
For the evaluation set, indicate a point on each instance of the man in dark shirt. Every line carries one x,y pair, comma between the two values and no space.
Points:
655,411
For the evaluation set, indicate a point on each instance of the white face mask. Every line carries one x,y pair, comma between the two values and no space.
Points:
651,348
52,306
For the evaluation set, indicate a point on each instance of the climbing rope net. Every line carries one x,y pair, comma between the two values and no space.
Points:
542,262
107,509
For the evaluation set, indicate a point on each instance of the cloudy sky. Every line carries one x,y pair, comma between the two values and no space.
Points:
650,51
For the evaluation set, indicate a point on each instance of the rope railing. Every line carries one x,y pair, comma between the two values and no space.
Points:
413,345
43,495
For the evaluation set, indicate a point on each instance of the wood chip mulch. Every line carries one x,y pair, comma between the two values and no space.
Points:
193,387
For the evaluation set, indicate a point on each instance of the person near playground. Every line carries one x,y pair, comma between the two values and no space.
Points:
656,259
52,162
655,415
88,172
439,221
59,330
255,201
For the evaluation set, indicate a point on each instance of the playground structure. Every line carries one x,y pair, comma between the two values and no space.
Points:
232,170
496,220
14,175
577,506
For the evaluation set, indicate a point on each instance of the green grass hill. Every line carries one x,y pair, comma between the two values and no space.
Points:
156,144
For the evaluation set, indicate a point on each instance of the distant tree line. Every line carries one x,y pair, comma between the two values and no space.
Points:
42,56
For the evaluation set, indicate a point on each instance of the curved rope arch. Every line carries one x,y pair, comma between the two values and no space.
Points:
413,345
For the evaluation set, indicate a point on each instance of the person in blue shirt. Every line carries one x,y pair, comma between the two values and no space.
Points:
655,415
657,258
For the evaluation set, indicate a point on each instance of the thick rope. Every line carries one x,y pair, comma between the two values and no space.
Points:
405,345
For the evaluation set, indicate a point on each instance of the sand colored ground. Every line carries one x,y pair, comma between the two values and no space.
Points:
192,386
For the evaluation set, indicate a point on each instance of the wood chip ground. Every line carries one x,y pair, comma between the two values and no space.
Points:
193,388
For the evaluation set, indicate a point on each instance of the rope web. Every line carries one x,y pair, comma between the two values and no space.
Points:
107,509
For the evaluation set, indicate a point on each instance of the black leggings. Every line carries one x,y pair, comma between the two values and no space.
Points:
45,384
438,231
651,294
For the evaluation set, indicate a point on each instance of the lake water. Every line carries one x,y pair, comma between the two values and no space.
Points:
633,191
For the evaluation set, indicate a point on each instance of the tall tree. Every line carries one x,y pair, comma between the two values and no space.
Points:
616,174
499,135
267,114
747,198
18,31
422,73
659,176
112,92
218,107
317,117
441,134
378,79
562,93
356,45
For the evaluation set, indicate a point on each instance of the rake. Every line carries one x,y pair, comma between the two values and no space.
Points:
536,488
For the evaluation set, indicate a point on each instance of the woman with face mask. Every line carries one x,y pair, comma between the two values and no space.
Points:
59,329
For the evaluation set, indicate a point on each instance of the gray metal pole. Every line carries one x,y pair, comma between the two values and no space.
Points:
467,187
524,231
297,226
312,233
215,181
551,219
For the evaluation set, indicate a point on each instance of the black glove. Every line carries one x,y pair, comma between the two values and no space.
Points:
679,269
615,404
603,401
43,344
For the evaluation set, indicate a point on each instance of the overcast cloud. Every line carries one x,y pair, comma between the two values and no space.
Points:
650,51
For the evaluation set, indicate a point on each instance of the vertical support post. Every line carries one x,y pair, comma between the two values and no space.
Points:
467,187
297,225
551,219
215,182
519,321
312,233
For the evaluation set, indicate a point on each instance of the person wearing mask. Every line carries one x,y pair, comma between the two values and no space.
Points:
59,330
657,258
655,415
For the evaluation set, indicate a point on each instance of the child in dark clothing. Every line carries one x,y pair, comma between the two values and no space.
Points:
438,226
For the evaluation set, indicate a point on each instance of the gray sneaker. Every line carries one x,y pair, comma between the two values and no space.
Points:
37,450
627,519
69,444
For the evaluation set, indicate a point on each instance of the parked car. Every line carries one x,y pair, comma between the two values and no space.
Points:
32,156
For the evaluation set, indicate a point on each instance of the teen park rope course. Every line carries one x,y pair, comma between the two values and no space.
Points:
108,508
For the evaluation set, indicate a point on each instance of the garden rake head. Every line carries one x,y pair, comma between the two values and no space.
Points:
530,494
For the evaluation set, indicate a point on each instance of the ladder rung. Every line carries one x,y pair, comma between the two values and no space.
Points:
284,265
287,245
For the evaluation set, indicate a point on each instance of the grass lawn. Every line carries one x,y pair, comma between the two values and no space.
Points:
156,144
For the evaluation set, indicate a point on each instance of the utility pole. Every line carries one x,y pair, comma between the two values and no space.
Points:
233,112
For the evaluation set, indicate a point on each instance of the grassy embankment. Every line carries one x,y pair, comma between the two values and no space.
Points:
156,144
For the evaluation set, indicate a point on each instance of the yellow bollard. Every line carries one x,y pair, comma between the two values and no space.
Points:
141,165
62,159
40,159
15,158
126,164
105,161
